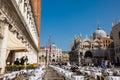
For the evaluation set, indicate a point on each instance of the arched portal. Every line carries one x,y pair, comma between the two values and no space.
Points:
53,60
88,54
88,57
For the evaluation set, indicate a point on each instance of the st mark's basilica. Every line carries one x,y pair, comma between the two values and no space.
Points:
93,50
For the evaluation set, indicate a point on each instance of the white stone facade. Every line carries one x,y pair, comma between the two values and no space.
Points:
55,54
43,56
17,19
49,55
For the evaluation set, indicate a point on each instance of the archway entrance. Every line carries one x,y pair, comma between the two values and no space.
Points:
53,60
88,57
88,54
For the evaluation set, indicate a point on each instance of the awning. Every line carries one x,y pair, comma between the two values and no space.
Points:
99,53
15,44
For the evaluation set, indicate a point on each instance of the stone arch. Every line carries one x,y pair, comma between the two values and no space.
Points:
88,54
86,44
88,57
53,60
96,44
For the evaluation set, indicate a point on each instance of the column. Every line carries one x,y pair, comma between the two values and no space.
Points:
4,47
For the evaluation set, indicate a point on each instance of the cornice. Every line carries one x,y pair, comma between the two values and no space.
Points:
14,17
35,16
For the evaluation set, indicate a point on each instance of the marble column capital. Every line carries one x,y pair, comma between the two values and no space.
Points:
24,40
19,36
3,19
6,23
13,29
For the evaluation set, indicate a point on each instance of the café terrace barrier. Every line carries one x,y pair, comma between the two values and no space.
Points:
34,74
67,74
91,72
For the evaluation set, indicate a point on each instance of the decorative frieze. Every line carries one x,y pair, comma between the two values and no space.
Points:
2,19
26,1
19,36
15,18
24,40
13,29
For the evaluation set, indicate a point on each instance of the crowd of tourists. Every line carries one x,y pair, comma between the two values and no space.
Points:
103,64
107,64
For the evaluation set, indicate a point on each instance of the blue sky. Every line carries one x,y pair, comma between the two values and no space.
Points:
63,19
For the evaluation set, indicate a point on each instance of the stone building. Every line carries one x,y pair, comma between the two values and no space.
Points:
50,55
86,51
43,56
55,54
19,31
65,56
116,38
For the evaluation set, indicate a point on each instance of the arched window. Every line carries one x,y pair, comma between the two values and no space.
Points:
53,55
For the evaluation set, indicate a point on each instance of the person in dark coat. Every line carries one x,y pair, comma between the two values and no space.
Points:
16,62
26,58
22,60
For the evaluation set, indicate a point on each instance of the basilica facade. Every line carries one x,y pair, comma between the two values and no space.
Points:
19,31
93,50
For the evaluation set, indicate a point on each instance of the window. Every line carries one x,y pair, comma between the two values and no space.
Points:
42,55
53,55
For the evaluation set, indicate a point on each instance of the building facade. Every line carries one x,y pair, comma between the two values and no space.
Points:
65,56
50,55
19,31
116,38
55,54
43,56
37,9
86,51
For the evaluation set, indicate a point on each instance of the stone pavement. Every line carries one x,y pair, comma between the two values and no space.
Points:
52,75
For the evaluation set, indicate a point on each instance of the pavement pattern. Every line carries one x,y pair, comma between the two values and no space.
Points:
52,75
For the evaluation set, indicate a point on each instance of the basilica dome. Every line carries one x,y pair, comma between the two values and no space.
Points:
99,33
